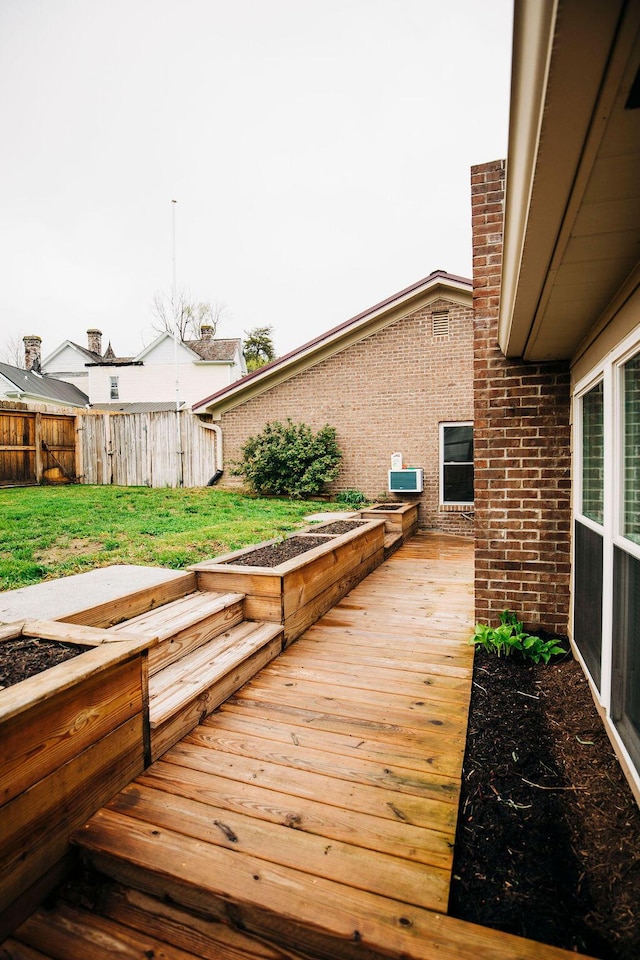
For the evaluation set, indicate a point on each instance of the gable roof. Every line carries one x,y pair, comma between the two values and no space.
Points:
88,355
28,384
218,350
438,284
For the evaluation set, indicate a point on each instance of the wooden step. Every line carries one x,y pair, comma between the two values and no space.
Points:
391,542
184,625
128,924
185,692
214,875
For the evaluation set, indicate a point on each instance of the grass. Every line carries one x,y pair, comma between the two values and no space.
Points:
49,532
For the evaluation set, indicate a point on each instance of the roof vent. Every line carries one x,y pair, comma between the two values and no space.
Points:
440,323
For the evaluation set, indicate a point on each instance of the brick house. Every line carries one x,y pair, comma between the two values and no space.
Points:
396,378
556,236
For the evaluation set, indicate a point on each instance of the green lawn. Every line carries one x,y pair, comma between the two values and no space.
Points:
48,532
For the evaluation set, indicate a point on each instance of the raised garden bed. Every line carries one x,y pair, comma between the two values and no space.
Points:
401,518
300,578
70,738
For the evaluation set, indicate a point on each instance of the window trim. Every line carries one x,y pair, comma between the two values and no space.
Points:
452,504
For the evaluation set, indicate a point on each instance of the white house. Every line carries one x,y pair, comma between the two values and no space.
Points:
165,371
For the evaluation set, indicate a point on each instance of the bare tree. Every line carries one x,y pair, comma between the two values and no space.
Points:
177,312
12,351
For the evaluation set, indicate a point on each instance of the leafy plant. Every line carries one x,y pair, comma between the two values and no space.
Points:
289,458
351,498
510,637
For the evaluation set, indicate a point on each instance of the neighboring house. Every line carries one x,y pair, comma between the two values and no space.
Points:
164,372
28,386
395,379
557,344
69,360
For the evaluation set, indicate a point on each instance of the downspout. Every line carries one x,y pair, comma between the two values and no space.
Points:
219,454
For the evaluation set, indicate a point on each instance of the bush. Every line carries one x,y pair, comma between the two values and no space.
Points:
351,498
290,459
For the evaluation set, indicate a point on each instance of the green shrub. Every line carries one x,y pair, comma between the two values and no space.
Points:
351,498
290,459
510,637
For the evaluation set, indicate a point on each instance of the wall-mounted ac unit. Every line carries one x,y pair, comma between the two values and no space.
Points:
406,481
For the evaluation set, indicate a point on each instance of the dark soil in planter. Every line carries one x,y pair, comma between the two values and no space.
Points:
25,657
548,842
388,506
276,553
342,526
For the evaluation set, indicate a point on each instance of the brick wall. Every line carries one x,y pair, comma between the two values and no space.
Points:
385,393
522,447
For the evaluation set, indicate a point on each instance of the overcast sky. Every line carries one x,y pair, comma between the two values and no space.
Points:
319,151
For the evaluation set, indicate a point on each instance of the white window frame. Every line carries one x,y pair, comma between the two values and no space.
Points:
610,371
452,503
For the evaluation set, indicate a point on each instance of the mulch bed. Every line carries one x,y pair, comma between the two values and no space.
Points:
548,842
25,657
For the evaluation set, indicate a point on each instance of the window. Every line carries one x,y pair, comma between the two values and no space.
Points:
115,395
631,449
593,454
456,463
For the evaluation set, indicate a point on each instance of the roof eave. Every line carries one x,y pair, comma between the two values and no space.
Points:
554,94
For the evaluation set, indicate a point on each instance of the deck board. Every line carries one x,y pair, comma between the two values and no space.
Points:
354,736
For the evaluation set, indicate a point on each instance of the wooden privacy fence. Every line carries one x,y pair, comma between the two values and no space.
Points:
126,449
145,449
36,447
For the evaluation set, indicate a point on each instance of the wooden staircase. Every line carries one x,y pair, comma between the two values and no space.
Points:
204,651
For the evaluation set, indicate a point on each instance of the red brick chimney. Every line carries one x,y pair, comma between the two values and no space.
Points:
94,341
32,352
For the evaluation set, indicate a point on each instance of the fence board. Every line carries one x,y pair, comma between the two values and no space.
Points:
141,449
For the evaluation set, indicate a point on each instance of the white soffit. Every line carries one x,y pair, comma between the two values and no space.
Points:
572,218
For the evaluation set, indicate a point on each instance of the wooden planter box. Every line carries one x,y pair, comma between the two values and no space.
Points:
297,592
70,739
400,520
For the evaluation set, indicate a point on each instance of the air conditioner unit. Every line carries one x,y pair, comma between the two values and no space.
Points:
406,481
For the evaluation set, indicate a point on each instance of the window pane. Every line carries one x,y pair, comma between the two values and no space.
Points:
587,607
593,454
458,444
458,483
631,385
625,706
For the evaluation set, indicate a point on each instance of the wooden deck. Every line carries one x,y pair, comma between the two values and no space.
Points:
314,813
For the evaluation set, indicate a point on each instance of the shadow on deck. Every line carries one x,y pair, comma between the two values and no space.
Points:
314,813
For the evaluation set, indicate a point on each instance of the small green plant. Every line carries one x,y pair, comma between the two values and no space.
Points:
351,498
510,637
289,458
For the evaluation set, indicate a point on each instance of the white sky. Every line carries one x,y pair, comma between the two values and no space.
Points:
319,151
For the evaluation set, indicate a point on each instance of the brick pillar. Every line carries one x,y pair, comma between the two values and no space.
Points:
522,447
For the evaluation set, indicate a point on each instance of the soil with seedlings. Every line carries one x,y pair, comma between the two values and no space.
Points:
342,526
25,657
548,840
276,553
